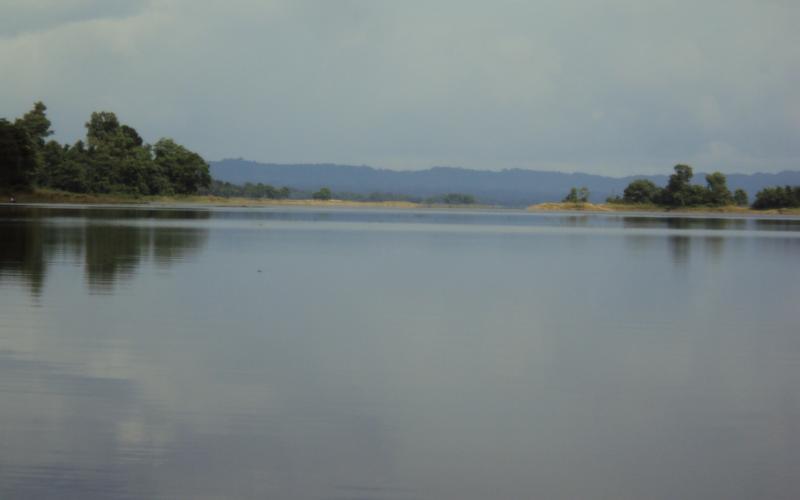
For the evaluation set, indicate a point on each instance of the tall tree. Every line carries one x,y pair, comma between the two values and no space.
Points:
572,196
102,128
718,192
740,198
36,123
17,156
678,191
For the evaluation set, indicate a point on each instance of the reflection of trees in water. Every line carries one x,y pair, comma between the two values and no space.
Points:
680,248
21,253
701,223
576,220
112,243
687,223
713,246
114,252
680,245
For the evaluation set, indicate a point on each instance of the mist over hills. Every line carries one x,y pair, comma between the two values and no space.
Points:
513,187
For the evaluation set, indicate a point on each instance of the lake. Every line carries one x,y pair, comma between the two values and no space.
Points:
290,353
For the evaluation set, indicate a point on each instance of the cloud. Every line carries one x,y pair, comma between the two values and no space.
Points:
605,86
24,16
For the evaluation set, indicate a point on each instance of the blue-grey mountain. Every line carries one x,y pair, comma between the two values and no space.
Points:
513,187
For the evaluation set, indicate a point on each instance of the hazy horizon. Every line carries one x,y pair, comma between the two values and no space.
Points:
665,172
602,87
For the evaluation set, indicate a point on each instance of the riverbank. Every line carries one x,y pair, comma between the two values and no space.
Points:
53,196
625,207
50,196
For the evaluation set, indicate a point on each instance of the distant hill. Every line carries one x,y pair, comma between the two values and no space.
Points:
513,187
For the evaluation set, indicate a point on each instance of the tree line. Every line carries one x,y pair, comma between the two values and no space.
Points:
680,192
113,159
442,199
778,197
246,190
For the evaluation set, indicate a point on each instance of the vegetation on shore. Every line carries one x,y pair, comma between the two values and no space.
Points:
115,165
113,159
247,190
266,191
46,195
576,196
778,197
650,207
679,193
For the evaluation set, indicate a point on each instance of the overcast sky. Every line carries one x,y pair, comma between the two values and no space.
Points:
601,86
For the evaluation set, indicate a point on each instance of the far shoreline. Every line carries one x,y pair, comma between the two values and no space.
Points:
53,197
607,208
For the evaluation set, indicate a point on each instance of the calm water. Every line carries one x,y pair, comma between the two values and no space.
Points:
334,354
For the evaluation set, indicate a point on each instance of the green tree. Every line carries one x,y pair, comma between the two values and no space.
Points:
576,195
778,197
36,123
110,166
114,158
51,156
70,173
718,193
740,198
186,170
17,157
102,128
132,138
641,191
678,191
322,194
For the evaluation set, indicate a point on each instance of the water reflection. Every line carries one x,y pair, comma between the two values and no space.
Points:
681,240
680,248
703,223
109,251
383,361
22,253
83,436
57,450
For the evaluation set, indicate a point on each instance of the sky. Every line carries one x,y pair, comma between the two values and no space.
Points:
609,87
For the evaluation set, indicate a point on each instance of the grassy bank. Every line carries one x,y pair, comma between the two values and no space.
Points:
54,196
625,207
